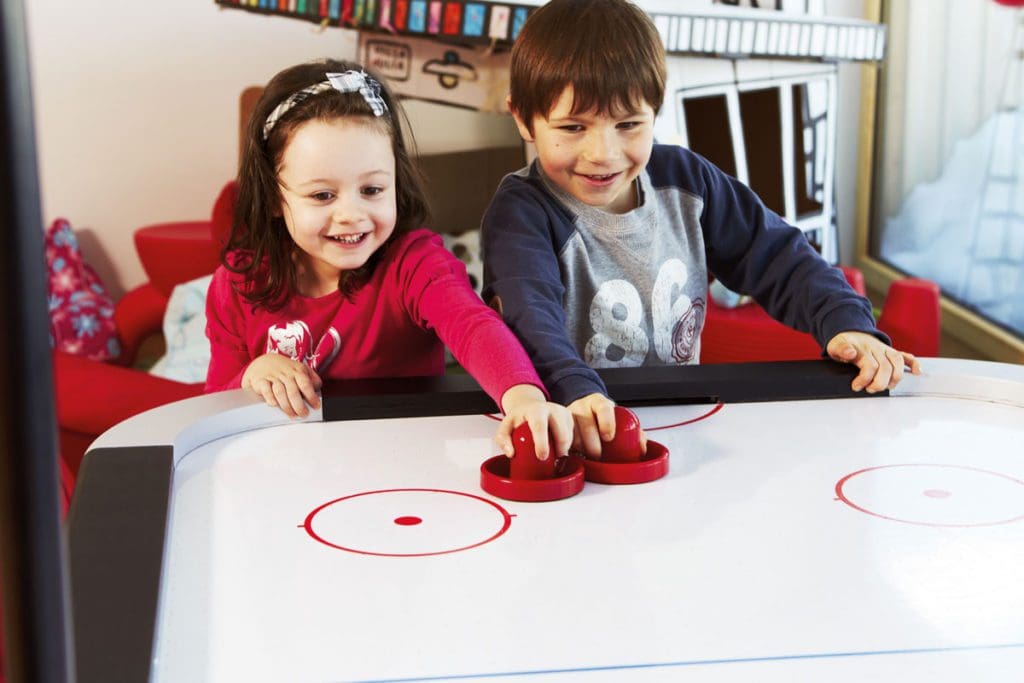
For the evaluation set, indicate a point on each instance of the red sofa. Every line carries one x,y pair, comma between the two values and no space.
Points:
909,315
92,397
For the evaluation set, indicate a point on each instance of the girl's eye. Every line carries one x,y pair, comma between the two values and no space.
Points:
322,196
372,191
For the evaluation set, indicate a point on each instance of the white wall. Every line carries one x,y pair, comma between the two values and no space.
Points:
137,113
136,109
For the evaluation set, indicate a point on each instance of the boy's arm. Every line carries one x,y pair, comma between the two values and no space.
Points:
754,251
522,279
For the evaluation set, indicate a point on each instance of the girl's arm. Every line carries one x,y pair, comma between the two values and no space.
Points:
279,381
438,296
225,328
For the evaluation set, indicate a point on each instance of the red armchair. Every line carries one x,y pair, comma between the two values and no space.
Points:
92,397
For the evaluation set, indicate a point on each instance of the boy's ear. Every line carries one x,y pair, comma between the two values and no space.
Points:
524,130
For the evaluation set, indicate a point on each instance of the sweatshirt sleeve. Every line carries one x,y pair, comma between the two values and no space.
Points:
521,237
438,297
225,328
752,250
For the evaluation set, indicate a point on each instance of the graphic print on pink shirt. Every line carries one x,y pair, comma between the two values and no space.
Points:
294,340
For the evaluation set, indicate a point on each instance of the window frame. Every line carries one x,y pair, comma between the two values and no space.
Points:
963,325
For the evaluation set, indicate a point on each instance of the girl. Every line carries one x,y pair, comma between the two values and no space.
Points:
327,273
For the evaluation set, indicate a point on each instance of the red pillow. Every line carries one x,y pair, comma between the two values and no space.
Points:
81,311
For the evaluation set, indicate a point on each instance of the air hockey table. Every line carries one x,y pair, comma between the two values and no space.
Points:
803,532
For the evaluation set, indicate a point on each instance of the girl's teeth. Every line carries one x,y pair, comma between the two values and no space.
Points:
348,239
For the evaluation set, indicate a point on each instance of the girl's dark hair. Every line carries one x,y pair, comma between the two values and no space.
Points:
609,51
259,246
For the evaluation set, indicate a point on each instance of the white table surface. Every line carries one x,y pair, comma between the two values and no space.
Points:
841,540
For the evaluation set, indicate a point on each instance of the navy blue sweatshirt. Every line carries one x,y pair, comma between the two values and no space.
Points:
583,288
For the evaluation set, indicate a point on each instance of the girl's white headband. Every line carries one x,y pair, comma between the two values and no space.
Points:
345,82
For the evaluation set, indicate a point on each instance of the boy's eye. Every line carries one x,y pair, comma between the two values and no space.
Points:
628,125
571,128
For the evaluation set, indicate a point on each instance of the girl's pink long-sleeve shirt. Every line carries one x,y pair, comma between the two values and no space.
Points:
417,297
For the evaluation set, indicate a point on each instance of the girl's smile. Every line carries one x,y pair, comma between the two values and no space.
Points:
337,181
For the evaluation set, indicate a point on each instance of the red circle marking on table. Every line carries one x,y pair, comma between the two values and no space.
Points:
933,493
308,523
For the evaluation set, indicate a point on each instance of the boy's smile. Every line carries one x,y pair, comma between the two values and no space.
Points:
593,156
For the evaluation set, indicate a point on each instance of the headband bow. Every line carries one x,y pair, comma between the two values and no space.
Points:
344,82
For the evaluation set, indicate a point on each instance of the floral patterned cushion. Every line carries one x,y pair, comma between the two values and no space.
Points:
81,311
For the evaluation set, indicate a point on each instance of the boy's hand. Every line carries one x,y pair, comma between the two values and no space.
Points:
881,366
526,403
283,383
594,415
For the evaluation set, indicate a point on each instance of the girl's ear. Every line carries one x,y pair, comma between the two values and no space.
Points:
524,130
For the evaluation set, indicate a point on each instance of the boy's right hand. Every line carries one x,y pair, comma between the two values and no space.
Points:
283,383
594,418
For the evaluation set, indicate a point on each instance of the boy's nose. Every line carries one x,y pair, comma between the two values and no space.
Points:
601,146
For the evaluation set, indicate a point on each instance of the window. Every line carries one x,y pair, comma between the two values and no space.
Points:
946,165
776,136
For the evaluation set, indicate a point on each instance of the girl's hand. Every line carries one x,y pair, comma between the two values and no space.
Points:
526,403
283,383
881,366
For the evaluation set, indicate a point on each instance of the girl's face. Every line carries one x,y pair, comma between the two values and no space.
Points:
594,157
337,182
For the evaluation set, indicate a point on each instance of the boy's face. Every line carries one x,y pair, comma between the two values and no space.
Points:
593,156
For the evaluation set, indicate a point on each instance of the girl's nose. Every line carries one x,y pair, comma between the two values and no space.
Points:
345,211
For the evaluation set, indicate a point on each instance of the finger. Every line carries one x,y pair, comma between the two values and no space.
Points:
911,361
295,399
504,437
307,389
561,428
883,373
605,414
590,438
281,395
868,368
843,351
539,429
265,390
895,359
643,442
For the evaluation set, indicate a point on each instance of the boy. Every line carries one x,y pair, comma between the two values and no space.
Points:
598,253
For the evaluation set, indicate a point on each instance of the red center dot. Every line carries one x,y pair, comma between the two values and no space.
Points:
407,521
937,493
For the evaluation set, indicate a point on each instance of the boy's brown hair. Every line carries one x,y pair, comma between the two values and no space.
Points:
608,50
